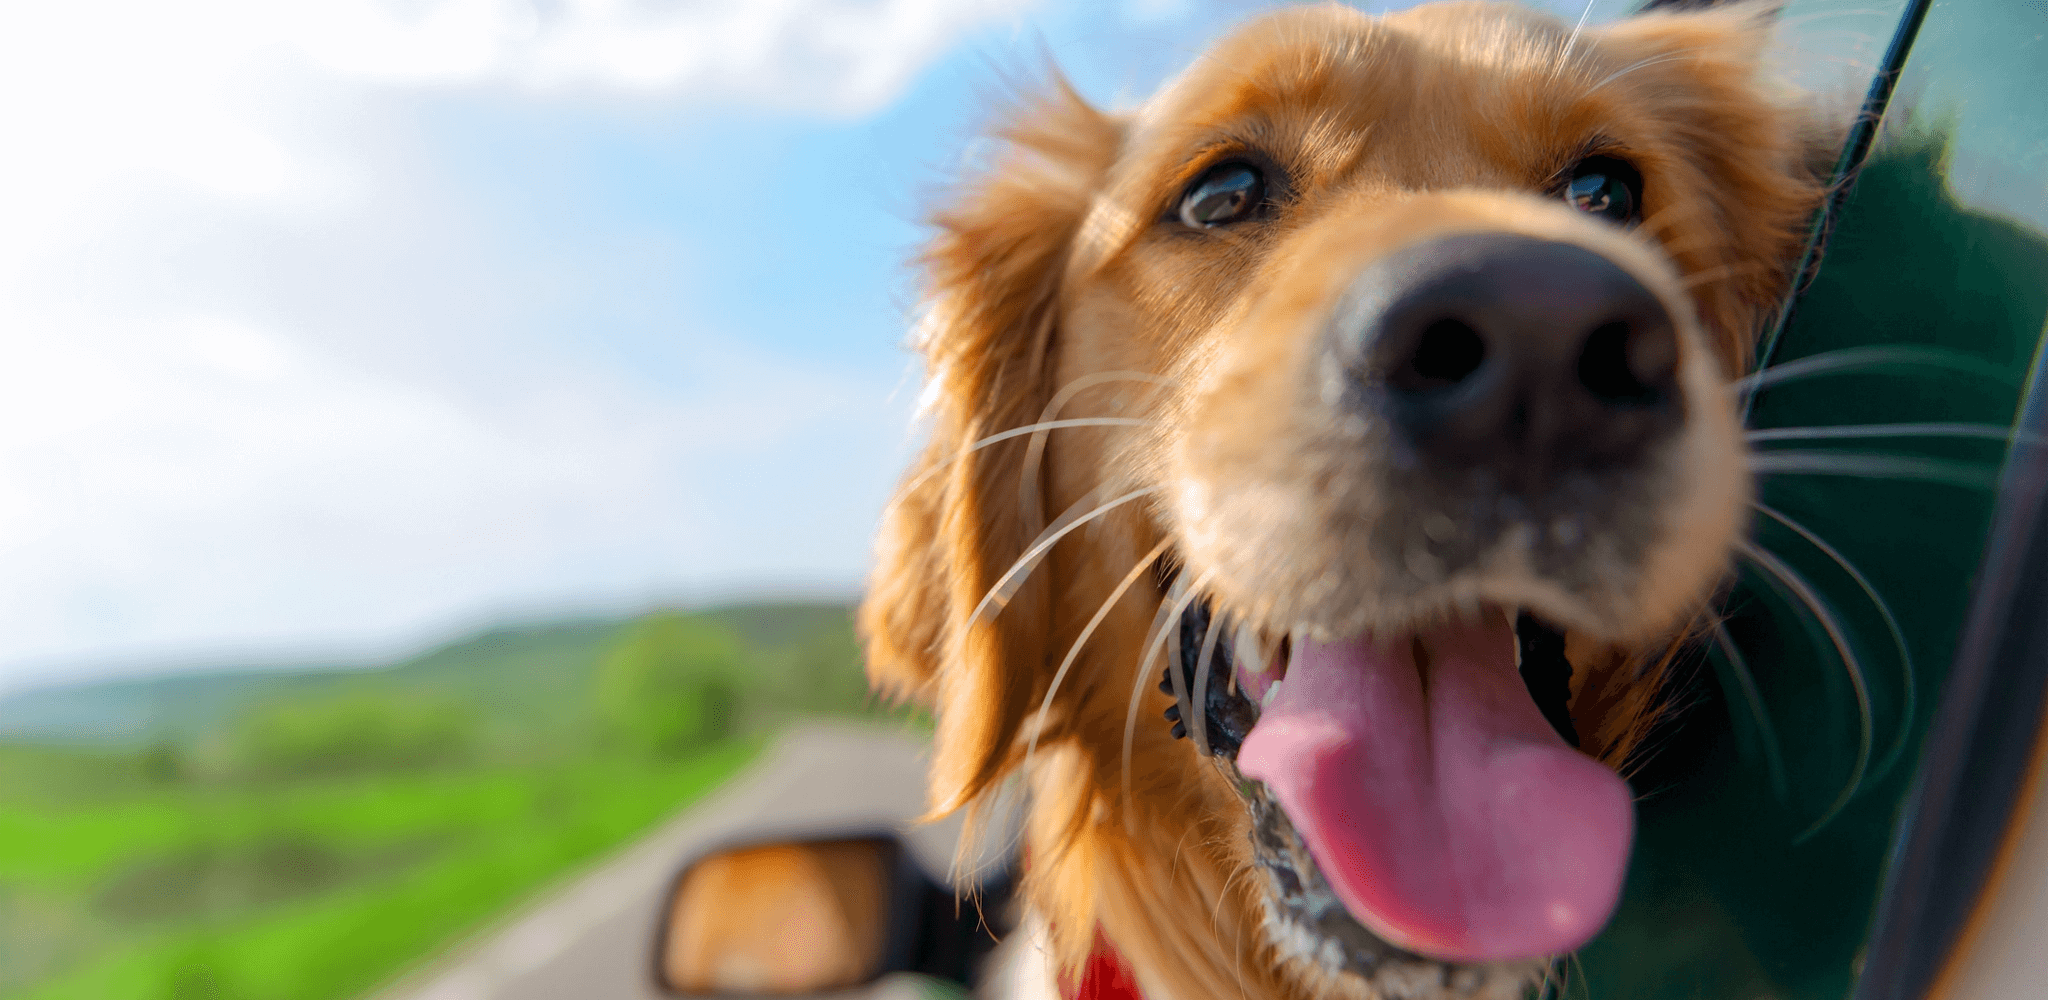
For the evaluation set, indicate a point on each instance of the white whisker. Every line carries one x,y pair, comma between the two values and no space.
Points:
1199,703
1856,358
1987,432
1774,757
1789,581
1161,618
1564,57
1027,481
1169,618
1074,651
1891,624
1176,684
1642,64
1873,466
1006,587
1015,432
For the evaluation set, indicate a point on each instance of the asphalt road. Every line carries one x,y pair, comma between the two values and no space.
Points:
592,939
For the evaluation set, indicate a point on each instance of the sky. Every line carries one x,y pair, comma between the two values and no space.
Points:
336,327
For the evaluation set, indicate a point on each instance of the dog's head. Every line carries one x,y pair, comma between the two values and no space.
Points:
1367,361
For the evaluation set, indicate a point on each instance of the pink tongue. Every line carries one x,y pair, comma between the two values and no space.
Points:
1451,820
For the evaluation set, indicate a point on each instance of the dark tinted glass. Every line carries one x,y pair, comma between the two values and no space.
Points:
1768,812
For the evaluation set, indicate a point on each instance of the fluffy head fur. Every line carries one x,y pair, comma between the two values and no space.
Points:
1061,285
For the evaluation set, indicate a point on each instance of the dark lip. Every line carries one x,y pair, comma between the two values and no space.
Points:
1227,715
1299,901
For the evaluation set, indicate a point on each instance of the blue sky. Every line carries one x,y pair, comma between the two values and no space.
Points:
336,327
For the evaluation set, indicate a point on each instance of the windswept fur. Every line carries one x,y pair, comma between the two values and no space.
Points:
1053,269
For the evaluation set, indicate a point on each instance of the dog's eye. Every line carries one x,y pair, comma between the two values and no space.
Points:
1606,187
1229,192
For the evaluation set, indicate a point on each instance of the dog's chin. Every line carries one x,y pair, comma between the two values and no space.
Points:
1420,810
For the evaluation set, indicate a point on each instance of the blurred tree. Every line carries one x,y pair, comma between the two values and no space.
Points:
351,733
162,762
672,684
827,674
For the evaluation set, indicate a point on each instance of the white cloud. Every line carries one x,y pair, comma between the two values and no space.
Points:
833,55
192,462
101,101
200,483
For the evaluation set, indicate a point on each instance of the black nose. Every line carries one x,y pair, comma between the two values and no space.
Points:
1528,356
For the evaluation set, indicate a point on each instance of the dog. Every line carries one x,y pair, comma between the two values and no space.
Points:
1360,403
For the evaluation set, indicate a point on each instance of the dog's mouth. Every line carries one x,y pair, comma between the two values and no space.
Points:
1431,775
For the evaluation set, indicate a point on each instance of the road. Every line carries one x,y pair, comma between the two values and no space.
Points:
592,939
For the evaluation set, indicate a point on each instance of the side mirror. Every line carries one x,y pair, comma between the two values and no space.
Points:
787,918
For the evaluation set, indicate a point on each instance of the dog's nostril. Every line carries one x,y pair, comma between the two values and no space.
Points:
1630,362
1609,371
1448,351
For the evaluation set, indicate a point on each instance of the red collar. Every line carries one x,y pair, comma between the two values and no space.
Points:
1104,977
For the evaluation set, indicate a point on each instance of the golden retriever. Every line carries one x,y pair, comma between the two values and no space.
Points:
1367,362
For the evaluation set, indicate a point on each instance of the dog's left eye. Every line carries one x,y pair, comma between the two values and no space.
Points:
1606,187
1229,192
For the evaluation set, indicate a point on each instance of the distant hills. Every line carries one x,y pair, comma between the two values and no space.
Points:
530,675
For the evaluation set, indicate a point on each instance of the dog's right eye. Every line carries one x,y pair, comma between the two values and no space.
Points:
1227,193
1606,187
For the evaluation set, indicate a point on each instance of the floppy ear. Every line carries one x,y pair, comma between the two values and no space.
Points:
992,274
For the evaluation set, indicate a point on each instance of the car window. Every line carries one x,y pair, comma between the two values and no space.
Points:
1769,809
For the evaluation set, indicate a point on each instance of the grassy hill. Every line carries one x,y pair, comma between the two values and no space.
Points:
510,667
520,674
137,710
305,833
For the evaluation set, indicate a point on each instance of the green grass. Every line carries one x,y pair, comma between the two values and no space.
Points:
169,894
310,834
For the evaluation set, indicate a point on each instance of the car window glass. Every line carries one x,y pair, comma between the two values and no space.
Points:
1767,813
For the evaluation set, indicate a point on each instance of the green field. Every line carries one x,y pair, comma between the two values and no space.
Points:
295,835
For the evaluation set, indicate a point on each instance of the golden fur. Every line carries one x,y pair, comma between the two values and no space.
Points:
1053,271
